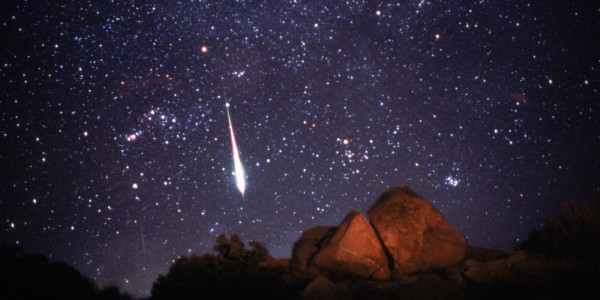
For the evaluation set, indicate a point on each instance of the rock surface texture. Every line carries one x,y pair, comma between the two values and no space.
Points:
414,232
304,249
353,251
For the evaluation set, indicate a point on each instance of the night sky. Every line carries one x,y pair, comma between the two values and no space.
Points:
115,151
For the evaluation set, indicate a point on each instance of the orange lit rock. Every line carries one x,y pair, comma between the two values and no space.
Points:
320,288
415,232
353,251
304,249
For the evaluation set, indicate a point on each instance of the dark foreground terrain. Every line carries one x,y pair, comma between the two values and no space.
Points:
560,261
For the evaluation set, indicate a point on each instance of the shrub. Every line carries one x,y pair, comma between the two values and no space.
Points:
573,233
235,272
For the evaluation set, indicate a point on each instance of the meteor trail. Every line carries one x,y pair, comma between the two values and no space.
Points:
240,177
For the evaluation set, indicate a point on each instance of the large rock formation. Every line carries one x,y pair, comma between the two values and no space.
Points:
353,251
406,233
304,249
415,233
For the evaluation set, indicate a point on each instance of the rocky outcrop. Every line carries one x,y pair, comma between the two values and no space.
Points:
484,254
303,251
414,232
406,233
517,267
353,251
321,288
407,251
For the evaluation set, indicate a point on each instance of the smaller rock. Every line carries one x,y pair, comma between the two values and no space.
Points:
304,249
474,271
354,251
321,288
515,258
484,254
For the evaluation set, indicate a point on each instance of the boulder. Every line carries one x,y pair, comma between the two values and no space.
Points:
484,254
303,251
353,251
415,232
485,272
320,288
514,268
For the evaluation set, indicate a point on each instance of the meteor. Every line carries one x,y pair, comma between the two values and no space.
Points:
240,177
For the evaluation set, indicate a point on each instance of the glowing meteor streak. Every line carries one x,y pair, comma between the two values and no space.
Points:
240,177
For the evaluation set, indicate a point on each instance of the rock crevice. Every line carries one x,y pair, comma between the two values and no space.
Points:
405,234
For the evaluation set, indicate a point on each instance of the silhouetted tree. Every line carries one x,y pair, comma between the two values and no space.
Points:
232,249
235,272
33,276
573,233
112,292
258,254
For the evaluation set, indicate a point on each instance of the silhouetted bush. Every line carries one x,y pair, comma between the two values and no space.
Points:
112,292
573,233
33,276
235,272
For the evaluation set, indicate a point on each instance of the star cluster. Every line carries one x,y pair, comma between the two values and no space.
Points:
115,150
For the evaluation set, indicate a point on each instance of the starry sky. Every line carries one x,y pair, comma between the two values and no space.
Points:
115,151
